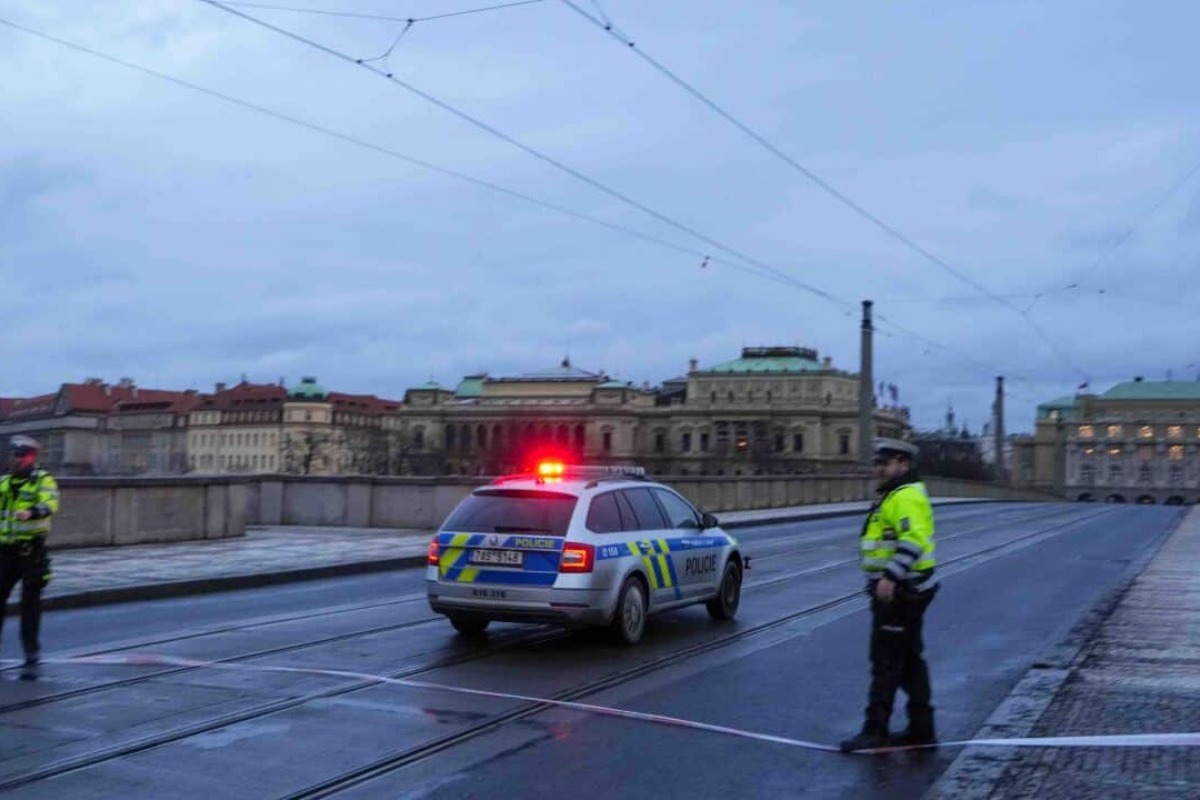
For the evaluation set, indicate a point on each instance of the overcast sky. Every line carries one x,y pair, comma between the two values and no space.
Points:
154,232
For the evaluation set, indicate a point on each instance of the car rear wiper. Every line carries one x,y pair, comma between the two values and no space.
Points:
520,529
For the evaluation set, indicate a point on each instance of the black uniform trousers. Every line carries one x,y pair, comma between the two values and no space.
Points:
896,656
25,562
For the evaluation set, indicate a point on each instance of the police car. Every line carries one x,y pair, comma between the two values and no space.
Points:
579,546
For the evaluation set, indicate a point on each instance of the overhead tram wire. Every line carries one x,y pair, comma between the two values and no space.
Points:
845,305
607,26
380,17
783,277
1125,236
777,276
517,143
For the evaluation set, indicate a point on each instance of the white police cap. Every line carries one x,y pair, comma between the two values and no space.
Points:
25,443
895,447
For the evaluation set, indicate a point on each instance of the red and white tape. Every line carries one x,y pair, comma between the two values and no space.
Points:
1113,740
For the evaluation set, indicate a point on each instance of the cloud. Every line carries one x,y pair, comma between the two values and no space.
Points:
981,198
184,241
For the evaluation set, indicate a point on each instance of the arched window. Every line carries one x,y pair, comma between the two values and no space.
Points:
580,437
464,435
481,436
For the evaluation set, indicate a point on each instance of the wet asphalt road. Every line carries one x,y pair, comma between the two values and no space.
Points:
1017,577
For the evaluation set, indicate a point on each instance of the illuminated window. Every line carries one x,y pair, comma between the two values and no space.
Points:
1088,452
1176,452
1146,432
1175,432
1114,431
1114,451
1086,432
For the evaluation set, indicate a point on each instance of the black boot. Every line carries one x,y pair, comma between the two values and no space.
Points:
874,734
30,669
920,729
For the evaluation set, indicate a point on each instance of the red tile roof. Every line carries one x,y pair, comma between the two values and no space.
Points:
30,407
155,400
362,403
245,397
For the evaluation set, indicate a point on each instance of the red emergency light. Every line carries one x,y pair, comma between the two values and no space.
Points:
551,469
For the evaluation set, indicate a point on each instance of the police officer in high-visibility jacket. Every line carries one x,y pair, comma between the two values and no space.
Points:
28,498
898,558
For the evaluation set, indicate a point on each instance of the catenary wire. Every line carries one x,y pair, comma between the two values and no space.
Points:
775,275
380,17
529,150
821,183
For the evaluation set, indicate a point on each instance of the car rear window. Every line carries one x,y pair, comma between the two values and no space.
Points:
513,511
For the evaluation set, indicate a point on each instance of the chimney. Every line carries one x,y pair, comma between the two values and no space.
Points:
125,383
998,430
866,389
827,362
220,387
693,364
1138,379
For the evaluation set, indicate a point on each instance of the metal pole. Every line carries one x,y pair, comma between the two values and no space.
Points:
1001,468
866,389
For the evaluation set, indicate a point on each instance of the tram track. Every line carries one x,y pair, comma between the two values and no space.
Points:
312,643
411,755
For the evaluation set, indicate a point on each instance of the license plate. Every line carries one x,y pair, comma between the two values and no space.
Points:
504,558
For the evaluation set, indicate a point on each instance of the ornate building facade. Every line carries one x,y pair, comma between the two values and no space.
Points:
1137,442
774,410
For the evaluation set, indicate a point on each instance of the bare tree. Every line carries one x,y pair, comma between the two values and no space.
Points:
364,450
304,450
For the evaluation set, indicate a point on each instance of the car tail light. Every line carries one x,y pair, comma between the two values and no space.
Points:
434,557
577,557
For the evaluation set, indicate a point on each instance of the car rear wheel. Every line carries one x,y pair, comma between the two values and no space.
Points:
630,620
469,626
729,596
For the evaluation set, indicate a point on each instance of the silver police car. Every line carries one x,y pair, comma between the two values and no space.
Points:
579,546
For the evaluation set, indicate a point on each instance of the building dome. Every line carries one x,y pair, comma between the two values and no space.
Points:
308,389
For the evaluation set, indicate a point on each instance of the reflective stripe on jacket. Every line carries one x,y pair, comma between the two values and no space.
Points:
897,539
37,494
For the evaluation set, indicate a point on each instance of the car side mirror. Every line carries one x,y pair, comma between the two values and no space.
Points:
708,521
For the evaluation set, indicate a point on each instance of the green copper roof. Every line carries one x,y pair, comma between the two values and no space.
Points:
613,385
787,364
469,387
771,359
308,389
1154,390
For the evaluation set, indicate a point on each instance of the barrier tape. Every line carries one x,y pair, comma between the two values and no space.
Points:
1110,740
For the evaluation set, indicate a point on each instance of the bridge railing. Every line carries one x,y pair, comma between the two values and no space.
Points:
99,512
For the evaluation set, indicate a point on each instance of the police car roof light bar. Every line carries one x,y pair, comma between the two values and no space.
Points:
555,471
